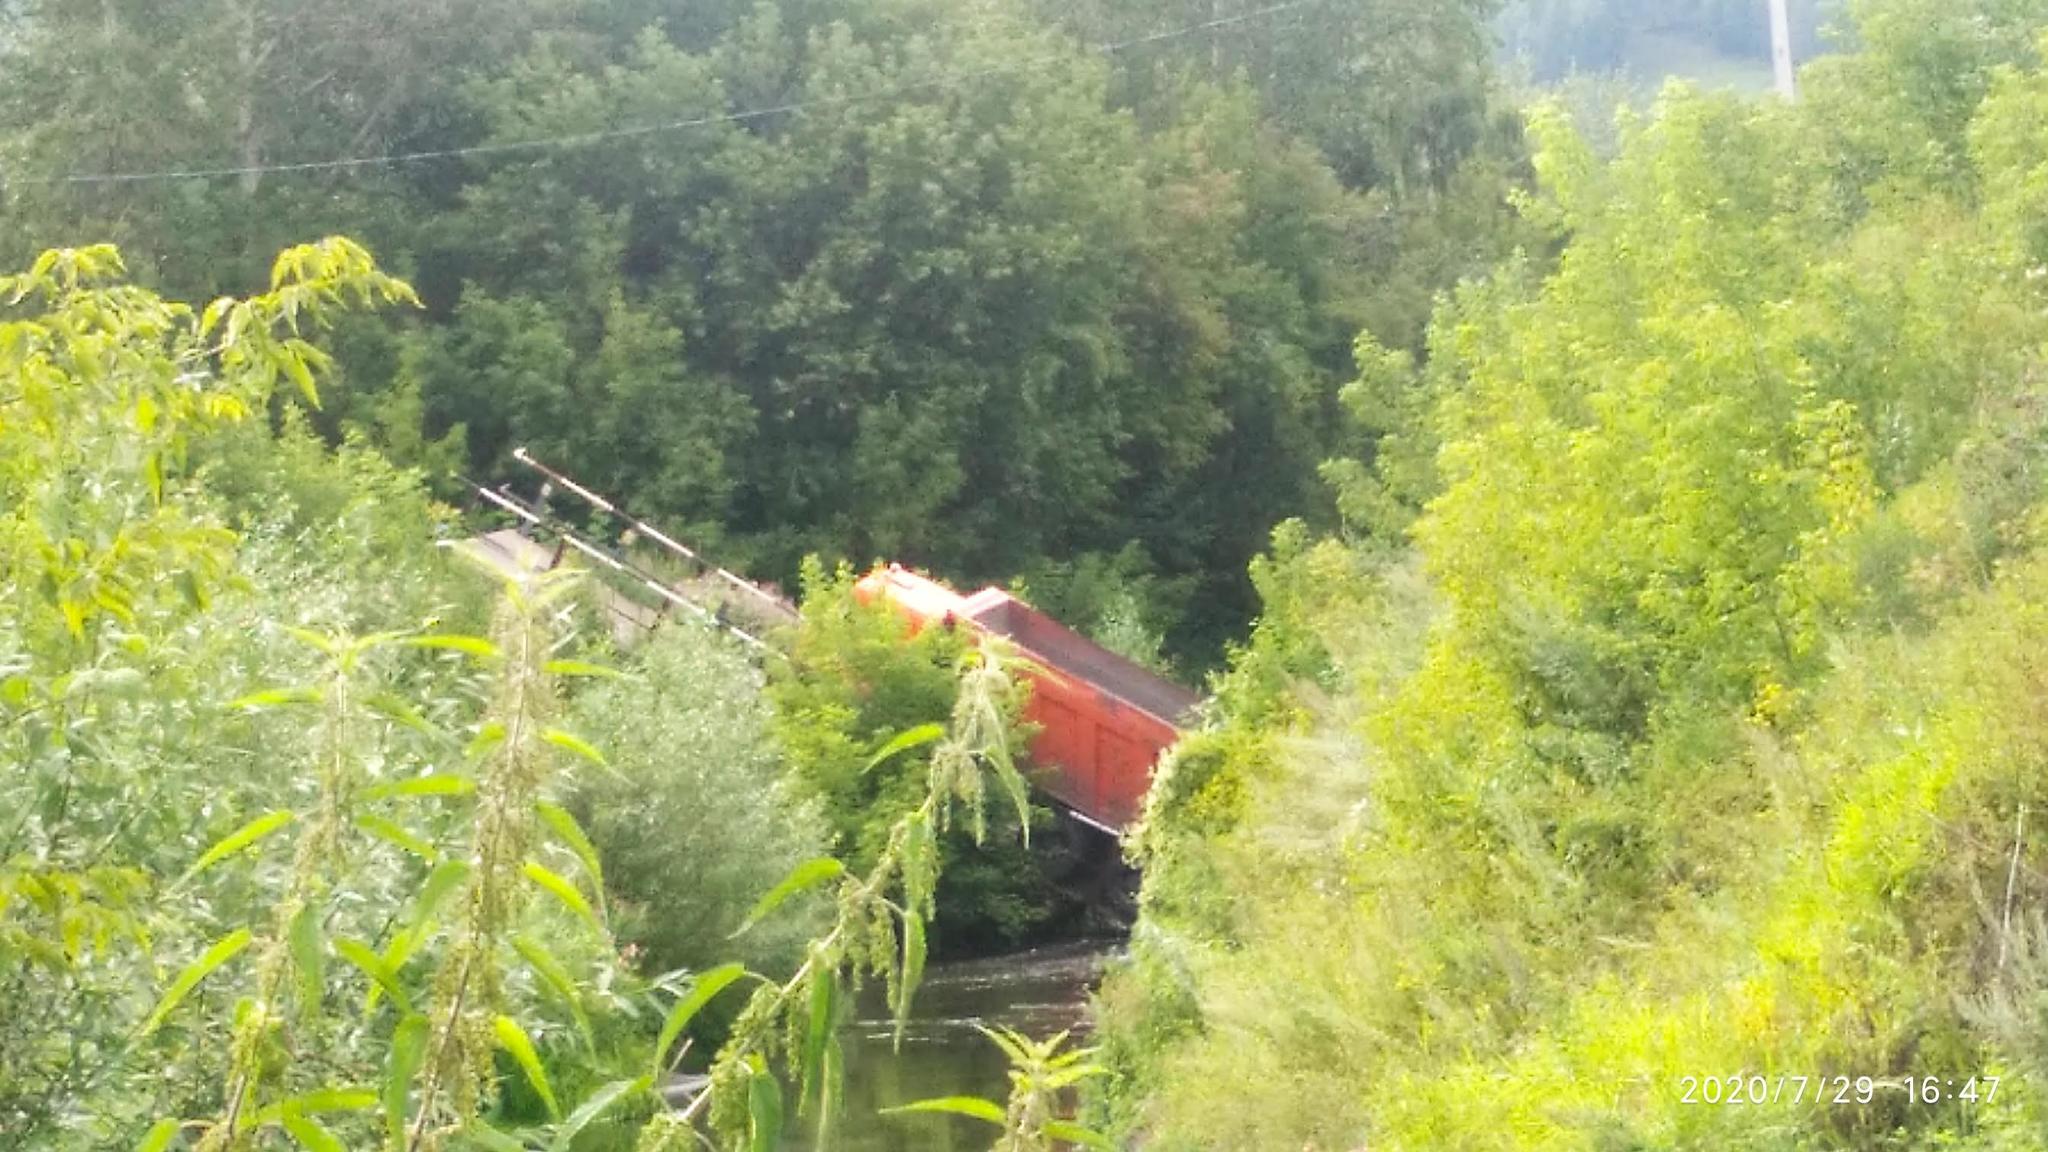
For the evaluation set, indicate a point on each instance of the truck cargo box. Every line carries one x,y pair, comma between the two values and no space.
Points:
1103,720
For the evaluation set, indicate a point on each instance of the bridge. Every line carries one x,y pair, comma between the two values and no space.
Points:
1102,720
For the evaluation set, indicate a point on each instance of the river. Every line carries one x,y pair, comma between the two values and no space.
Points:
1038,993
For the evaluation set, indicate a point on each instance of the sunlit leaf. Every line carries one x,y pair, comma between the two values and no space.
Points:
707,987
564,891
914,738
955,1106
569,742
475,646
241,838
513,1039
571,833
399,712
579,668
440,785
805,876
390,832
159,1136
277,698
222,951
320,642
372,965
599,1101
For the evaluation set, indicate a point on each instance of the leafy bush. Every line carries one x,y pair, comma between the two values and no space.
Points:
1710,740
855,680
698,817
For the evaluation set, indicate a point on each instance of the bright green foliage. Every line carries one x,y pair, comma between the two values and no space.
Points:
1694,736
123,617
856,680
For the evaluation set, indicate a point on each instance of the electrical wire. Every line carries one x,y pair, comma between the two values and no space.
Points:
582,139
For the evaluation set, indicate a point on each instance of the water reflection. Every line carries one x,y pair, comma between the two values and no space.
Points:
1038,993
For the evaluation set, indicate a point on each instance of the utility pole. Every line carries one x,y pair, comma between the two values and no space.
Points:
1781,50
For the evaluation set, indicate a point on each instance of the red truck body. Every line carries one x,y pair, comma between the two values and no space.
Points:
1102,720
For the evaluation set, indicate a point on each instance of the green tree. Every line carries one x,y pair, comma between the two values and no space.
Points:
698,817
854,682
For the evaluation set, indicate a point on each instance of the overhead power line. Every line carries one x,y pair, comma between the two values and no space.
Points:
582,139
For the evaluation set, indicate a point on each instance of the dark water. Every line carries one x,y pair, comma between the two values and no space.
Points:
1038,993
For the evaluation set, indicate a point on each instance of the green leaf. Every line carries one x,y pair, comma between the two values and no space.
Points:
318,642
318,1101
707,987
277,698
372,965
824,989
160,1135
1075,1134
551,972
571,834
807,875
591,1109
309,958
396,954
580,668
764,1109
467,645
1015,1045
399,712
565,892
914,738
408,1051
241,838
569,742
956,1106
223,950
912,973
391,833
310,1135
295,367
487,737
441,785
513,1039
446,877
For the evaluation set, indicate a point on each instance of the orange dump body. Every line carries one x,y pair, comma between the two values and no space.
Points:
1102,720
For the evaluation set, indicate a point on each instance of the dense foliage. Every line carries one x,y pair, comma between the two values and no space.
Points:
854,681
277,834
988,296
1645,683
1696,732
699,816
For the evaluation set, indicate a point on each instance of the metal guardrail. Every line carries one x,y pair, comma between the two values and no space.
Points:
774,604
617,564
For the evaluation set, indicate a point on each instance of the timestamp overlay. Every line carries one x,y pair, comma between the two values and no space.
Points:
1836,1090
